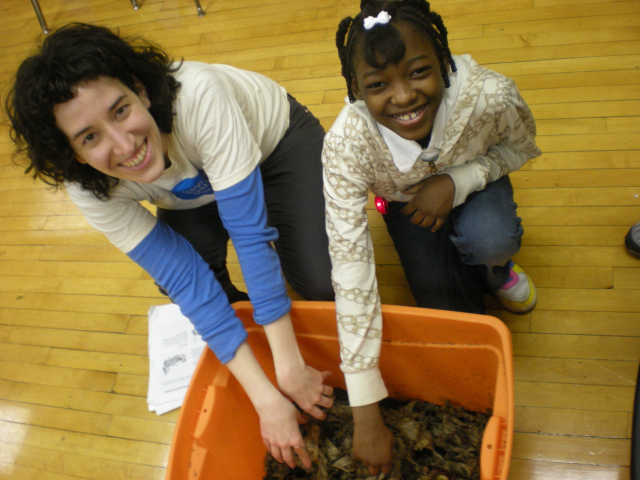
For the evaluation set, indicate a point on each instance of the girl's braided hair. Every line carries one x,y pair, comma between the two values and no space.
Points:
74,54
385,41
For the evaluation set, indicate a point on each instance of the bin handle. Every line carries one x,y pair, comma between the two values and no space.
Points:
492,453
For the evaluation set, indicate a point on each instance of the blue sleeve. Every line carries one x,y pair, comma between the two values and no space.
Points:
244,215
174,264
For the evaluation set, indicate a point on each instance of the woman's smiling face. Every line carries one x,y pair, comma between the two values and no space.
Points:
404,97
110,128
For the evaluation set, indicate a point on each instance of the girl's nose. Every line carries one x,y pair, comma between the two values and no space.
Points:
403,94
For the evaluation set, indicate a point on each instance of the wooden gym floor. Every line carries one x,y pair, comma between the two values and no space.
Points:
73,365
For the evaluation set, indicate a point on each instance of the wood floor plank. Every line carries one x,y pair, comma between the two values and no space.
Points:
74,377
69,320
56,418
143,430
577,197
574,396
135,385
536,470
82,400
574,368
85,444
100,361
52,237
605,235
578,346
25,473
576,256
76,466
29,266
581,450
80,286
79,340
590,300
585,323
558,421
623,216
627,278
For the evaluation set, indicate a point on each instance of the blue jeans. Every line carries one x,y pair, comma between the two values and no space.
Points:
451,269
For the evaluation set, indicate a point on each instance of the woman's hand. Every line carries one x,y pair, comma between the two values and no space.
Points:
302,383
306,387
372,440
281,435
432,202
279,418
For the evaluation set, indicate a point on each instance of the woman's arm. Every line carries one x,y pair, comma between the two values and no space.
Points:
278,417
244,215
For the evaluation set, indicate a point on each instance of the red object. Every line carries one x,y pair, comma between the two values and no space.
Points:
382,205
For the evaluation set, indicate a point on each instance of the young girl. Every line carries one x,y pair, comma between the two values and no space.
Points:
217,149
435,135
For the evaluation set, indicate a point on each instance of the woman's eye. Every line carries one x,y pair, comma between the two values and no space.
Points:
88,138
375,85
121,109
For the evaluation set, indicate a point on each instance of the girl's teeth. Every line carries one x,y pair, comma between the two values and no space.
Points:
138,159
409,116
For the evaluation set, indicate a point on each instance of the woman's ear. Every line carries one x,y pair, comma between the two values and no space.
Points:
141,92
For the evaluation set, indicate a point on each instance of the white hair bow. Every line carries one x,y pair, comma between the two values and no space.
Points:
382,19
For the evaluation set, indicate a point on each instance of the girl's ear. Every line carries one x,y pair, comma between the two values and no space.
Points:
355,89
142,92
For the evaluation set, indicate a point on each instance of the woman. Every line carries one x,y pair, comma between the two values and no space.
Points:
218,150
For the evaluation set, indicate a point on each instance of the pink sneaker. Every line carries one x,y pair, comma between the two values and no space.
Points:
518,294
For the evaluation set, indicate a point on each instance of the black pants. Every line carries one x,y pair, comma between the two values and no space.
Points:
433,267
292,179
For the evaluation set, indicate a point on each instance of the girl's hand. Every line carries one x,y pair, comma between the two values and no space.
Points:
432,202
305,386
372,440
281,435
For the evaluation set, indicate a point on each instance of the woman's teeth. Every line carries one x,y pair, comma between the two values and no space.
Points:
138,159
409,116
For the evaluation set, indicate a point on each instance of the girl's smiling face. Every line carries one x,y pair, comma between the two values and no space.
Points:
110,128
404,97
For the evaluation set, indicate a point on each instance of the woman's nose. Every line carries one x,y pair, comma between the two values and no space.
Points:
123,142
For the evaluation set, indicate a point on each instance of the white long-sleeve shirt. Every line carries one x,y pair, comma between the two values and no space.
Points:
483,131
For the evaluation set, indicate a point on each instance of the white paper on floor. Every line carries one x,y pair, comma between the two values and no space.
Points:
174,350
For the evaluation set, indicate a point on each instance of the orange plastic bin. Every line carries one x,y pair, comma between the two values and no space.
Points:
433,355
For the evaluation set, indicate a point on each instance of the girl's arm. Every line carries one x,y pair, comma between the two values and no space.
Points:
516,130
357,301
244,215
353,272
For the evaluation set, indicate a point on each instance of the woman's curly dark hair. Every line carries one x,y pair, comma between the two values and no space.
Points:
385,41
73,54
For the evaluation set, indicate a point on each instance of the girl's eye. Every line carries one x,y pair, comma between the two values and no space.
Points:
375,85
421,70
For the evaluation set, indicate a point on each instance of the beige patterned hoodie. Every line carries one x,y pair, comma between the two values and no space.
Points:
487,131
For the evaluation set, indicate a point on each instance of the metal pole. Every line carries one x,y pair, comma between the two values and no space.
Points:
200,11
43,23
135,5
